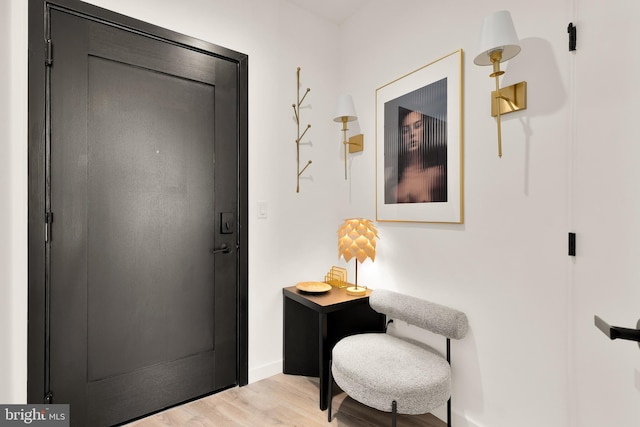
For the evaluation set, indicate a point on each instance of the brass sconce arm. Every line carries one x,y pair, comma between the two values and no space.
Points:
505,100
355,143
499,42
496,57
347,113
345,119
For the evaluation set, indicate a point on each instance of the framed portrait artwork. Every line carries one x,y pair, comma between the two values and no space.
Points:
419,176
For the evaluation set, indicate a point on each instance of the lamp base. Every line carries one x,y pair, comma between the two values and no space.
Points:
356,292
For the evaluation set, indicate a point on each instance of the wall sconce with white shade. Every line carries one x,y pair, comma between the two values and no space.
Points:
346,112
499,43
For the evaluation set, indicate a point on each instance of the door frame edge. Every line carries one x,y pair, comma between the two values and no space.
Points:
243,214
36,339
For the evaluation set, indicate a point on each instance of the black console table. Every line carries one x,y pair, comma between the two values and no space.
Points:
314,323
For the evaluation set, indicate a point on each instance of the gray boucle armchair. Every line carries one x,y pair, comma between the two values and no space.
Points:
393,374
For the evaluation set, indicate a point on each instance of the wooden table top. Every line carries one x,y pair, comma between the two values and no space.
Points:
323,301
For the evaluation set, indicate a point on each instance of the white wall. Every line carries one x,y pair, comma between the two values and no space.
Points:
506,266
606,214
6,314
13,213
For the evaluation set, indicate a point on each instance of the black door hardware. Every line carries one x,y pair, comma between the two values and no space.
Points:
614,332
573,36
227,223
224,249
572,244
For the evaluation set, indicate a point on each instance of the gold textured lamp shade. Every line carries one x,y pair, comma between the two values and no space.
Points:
357,239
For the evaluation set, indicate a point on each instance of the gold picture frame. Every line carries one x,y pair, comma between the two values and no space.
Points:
419,145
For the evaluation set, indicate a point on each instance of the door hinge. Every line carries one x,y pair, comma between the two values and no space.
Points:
572,244
48,220
48,46
573,36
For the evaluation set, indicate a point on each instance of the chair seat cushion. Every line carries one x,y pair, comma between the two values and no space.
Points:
376,369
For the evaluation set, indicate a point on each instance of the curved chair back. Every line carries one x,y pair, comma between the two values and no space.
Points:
433,317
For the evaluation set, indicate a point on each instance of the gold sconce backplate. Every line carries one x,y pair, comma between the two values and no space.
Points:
512,98
356,143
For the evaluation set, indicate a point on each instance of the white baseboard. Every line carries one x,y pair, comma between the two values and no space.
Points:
265,371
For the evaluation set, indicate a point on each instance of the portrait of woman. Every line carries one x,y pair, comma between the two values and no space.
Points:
419,145
421,166
422,158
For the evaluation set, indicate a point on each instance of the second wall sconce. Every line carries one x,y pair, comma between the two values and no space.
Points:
345,112
499,43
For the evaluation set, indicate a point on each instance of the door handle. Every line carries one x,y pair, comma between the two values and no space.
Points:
615,332
224,249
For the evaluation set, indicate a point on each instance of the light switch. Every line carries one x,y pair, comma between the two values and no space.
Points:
263,210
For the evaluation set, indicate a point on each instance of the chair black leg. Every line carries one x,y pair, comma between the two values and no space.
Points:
329,392
449,401
394,413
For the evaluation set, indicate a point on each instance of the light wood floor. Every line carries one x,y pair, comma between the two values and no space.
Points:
281,400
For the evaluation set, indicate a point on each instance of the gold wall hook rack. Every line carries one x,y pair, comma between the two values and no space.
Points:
296,111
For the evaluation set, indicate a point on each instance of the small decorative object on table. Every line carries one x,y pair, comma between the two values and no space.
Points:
313,287
336,277
357,238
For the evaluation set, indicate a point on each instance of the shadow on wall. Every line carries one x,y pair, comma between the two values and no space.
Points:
467,400
536,64
546,94
467,395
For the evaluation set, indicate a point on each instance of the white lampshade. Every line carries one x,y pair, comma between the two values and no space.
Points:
497,32
345,108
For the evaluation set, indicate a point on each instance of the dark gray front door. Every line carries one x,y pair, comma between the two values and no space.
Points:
143,167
